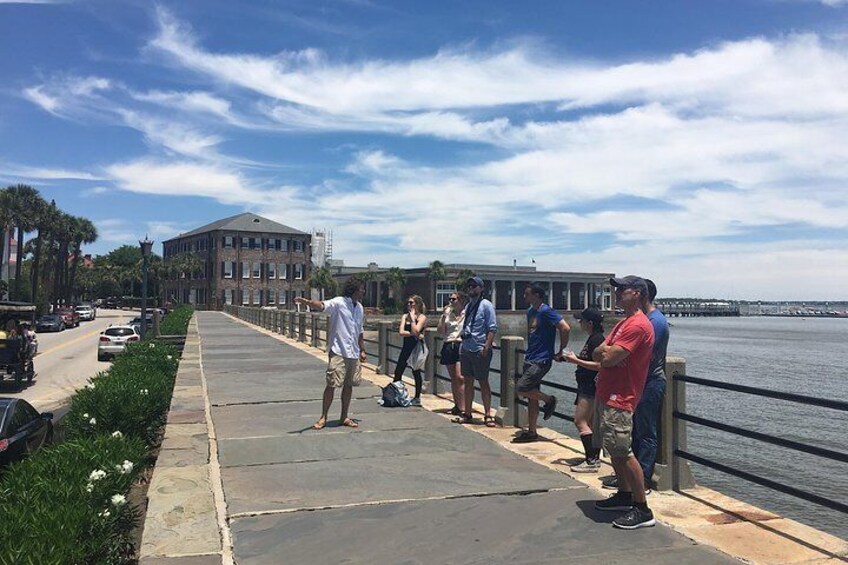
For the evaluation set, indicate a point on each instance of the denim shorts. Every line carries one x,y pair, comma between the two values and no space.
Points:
450,353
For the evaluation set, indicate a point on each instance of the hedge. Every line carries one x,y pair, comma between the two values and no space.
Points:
176,322
67,502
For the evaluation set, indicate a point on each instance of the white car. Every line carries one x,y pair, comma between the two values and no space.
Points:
86,312
114,339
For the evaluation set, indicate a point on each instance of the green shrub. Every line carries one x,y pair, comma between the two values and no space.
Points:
131,397
176,322
67,503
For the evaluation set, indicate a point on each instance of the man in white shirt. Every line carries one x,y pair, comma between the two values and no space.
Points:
346,346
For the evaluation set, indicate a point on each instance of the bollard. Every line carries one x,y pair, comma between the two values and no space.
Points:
672,472
430,335
509,410
314,323
301,326
383,329
156,323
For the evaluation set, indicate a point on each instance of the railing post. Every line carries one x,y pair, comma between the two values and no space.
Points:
509,408
673,431
301,326
292,323
314,322
383,329
430,366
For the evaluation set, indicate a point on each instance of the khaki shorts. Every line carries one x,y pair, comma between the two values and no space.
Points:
343,372
612,429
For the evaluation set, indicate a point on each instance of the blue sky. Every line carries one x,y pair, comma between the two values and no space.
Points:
699,143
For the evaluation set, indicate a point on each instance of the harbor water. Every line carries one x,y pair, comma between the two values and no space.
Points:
804,356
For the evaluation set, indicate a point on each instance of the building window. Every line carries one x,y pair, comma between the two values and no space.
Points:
298,246
277,244
298,271
257,271
257,298
228,242
284,271
229,269
228,296
245,269
272,299
272,270
245,298
443,292
244,243
283,295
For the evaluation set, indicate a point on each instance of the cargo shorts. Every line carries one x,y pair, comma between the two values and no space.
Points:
342,371
613,430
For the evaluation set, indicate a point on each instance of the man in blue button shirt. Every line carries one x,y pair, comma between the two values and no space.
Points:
475,353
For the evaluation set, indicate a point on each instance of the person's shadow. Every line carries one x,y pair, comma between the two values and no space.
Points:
598,516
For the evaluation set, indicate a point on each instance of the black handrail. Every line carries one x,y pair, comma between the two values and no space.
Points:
774,440
774,485
791,397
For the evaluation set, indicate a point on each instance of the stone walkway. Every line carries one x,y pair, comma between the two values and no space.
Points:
407,486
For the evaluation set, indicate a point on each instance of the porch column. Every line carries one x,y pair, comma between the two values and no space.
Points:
586,295
568,295
495,293
512,297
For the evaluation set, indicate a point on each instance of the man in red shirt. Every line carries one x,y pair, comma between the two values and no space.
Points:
624,359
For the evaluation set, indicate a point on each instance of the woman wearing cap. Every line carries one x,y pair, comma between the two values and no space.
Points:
450,326
591,322
412,326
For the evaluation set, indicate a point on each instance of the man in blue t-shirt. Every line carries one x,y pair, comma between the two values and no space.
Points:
542,325
647,416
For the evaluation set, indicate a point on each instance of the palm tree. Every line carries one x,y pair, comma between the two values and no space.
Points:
322,279
435,272
44,214
85,232
22,201
396,279
462,277
61,231
5,222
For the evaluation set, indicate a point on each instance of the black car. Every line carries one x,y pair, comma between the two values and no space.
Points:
23,430
50,323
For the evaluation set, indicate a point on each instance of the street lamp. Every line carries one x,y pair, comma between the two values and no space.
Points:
146,248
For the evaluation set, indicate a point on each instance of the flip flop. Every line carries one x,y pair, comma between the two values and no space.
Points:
350,423
319,424
463,419
490,421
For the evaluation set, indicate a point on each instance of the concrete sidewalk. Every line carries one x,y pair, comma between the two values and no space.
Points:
407,486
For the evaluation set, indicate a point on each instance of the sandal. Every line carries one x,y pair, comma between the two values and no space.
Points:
489,421
526,437
456,411
463,419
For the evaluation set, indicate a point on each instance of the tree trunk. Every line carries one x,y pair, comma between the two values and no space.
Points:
36,260
73,277
19,263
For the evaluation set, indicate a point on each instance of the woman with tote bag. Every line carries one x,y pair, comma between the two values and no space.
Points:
412,326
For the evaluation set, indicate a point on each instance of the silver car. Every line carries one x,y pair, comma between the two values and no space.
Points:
86,312
114,339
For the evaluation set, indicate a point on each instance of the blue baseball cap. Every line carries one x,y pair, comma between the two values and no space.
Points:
631,281
476,281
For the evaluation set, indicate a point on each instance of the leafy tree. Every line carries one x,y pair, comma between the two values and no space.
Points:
396,279
22,202
462,277
435,272
322,279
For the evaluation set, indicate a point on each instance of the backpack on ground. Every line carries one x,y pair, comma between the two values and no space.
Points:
395,395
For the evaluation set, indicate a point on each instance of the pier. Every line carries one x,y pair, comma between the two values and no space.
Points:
242,478
697,309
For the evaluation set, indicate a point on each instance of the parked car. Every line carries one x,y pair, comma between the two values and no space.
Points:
72,319
114,339
111,303
50,323
23,430
86,312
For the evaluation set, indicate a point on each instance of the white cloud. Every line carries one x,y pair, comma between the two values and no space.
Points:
24,172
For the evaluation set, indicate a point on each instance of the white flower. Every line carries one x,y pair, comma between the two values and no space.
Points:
143,391
117,434
96,475
151,346
89,487
105,514
93,421
125,467
90,386
170,357
118,500
85,415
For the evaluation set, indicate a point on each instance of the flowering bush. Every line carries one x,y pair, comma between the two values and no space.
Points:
67,503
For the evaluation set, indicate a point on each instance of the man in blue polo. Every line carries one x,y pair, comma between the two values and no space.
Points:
543,323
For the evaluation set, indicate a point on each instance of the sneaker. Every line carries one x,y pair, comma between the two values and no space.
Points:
526,437
415,402
586,467
610,482
635,519
616,502
456,411
548,410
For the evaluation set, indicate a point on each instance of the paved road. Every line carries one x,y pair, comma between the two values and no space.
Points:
407,486
66,360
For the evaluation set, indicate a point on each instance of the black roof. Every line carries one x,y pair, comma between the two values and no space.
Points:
246,222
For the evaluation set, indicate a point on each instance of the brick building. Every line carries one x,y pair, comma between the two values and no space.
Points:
245,259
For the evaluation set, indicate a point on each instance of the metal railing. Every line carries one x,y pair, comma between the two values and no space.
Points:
680,452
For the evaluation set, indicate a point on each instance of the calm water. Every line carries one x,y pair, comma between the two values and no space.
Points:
806,356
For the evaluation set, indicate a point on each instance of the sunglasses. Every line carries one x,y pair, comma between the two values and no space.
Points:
411,302
453,299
